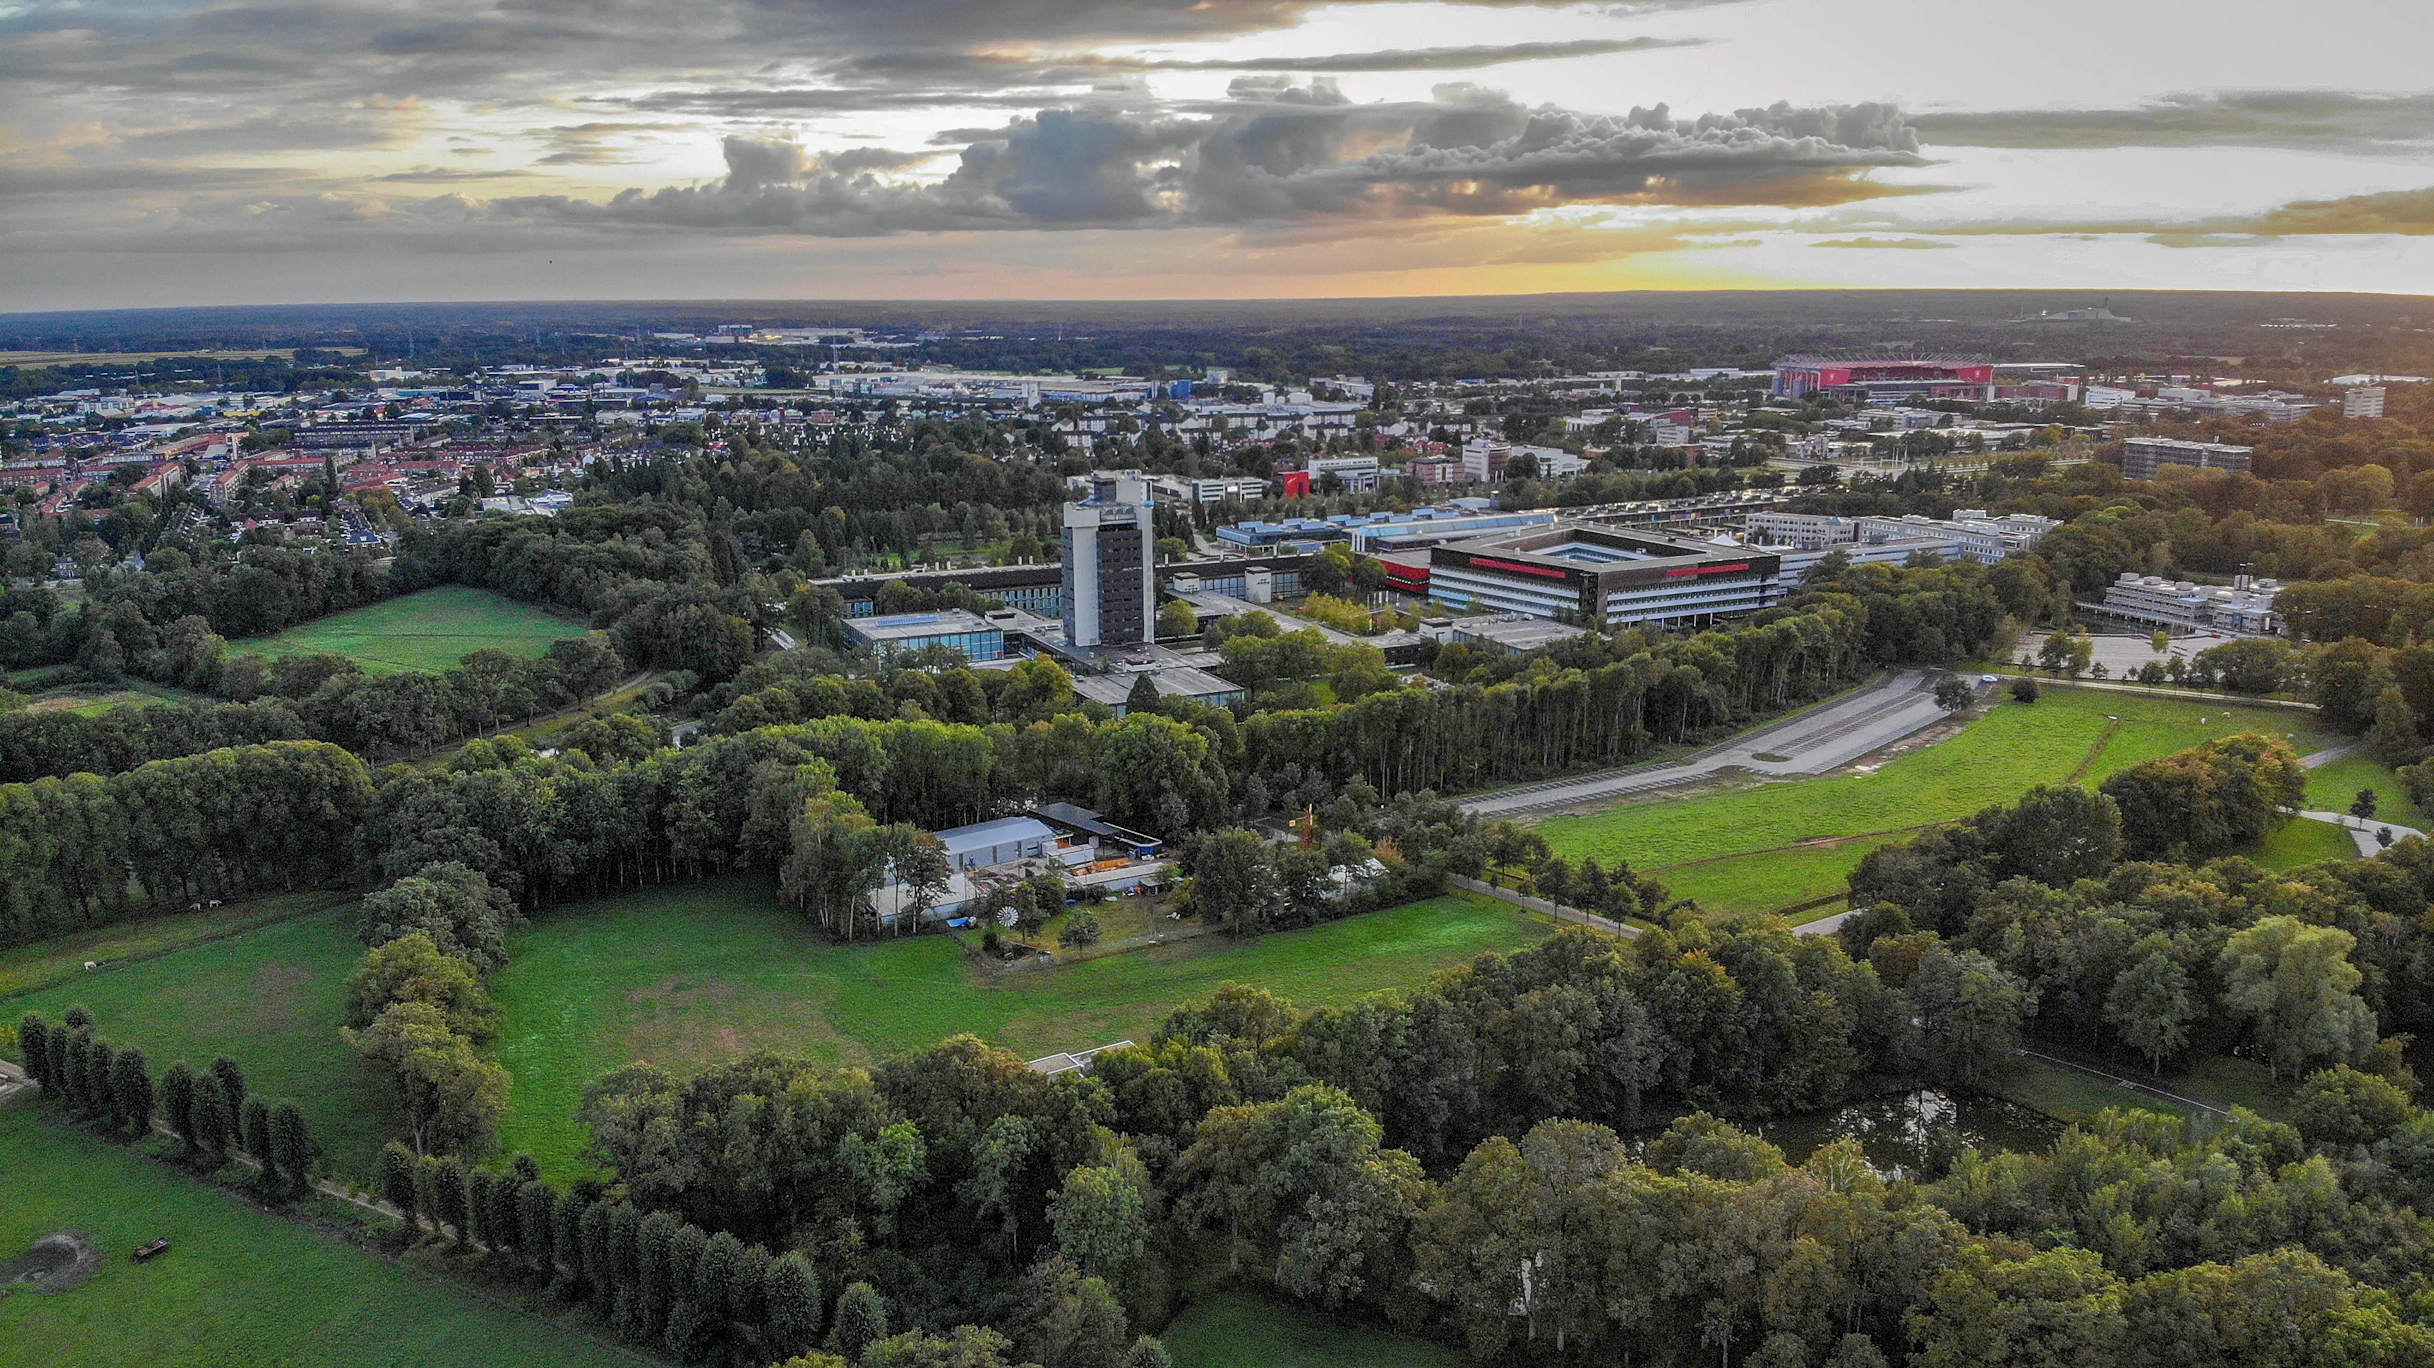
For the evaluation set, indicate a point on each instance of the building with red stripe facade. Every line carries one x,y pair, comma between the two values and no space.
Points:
1596,574
1885,379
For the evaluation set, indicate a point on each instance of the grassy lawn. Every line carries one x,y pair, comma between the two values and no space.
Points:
2074,1096
431,630
2302,842
1230,1330
26,968
2332,787
684,977
238,1287
272,999
1998,757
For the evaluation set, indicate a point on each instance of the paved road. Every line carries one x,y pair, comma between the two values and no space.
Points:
2331,753
2362,830
1810,743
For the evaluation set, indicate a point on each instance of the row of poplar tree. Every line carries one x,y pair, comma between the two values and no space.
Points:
211,1111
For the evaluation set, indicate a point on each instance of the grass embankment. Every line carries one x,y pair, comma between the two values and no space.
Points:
1231,1330
685,977
272,999
1770,846
239,1287
26,968
2070,1095
430,630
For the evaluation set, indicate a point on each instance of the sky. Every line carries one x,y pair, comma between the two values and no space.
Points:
291,151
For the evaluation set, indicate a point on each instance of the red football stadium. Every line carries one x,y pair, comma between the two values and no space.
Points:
1884,379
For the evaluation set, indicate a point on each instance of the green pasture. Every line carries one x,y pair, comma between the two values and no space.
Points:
2333,786
680,977
1233,1330
271,998
1767,846
238,1288
689,976
430,630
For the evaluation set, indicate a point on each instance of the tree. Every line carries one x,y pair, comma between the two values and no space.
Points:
2364,804
451,1096
1953,693
1142,697
34,1042
1176,619
412,968
254,1122
1101,1221
861,1321
1969,1010
2293,985
794,1304
966,1346
177,1102
131,1084
397,1185
2055,834
1065,1319
1147,1352
214,1122
1233,881
453,905
2025,690
2152,1004
232,1081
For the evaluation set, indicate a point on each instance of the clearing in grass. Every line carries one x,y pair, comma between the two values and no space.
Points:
429,630
1800,839
238,1286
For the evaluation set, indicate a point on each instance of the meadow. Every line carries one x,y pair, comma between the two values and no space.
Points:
429,630
238,1286
1231,1330
1767,847
272,998
683,977
689,976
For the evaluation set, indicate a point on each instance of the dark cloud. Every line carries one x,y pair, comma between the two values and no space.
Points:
266,133
2256,118
586,144
439,175
125,177
1281,152
2409,212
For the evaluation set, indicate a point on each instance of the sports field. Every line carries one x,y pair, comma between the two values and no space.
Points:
688,976
1773,846
430,630
238,1287
682,977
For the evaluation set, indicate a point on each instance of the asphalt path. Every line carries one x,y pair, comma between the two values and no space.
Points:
1807,744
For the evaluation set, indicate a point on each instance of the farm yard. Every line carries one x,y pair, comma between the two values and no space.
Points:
429,630
238,1286
691,975
1771,847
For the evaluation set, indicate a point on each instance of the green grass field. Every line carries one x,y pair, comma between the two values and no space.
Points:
430,630
239,1287
25,968
1769,846
272,999
2332,787
1230,1330
685,977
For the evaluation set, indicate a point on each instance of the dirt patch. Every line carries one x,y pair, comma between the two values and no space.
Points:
683,991
275,990
63,702
54,1263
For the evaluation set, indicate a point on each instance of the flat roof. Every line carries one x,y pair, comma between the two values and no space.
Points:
944,622
1004,829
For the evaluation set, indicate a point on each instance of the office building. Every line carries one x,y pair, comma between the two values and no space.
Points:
1602,575
2141,457
1110,574
2366,401
975,636
2244,609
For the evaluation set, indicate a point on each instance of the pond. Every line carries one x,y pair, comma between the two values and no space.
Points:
1914,1134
